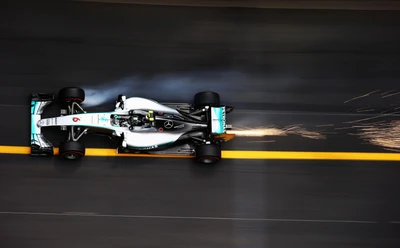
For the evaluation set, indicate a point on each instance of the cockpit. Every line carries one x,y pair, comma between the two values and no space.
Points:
134,119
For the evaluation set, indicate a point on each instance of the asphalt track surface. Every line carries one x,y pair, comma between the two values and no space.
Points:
296,67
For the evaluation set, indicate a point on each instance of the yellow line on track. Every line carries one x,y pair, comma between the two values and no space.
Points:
235,154
366,156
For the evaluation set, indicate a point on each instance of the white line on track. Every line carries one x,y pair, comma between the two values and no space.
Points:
79,213
186,217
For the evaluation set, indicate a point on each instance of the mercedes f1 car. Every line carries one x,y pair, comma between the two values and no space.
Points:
139,125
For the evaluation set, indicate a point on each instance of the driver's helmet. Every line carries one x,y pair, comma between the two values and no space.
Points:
135,120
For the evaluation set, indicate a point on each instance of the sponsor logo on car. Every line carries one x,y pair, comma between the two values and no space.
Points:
180,126
146,148
104,119
168,124
223,117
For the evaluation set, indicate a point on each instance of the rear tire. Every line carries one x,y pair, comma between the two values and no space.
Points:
71,94
72,150
206,98
208,153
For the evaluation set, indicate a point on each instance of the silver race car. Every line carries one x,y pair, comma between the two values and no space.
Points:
139,125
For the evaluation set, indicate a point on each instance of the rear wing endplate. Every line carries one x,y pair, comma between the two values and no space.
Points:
218,120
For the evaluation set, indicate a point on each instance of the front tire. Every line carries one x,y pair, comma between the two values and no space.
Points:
72,150
71,94
208,153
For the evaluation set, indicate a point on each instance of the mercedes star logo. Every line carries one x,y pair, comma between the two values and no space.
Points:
168,124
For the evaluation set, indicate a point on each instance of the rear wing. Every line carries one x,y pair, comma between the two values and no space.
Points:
40,146
218,119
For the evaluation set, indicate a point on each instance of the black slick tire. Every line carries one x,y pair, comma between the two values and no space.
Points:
206,98
72,150
208,153
71,94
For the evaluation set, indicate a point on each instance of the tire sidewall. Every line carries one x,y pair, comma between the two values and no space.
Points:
72,148
208,151
71,94
206,98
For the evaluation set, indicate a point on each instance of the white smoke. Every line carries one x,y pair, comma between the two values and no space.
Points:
182,87
107,92
167,87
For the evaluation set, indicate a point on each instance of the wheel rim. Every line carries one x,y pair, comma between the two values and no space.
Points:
209,160
71,156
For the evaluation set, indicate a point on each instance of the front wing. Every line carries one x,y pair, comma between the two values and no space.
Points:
40,146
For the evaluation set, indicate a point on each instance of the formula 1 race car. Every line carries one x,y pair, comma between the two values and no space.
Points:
139,125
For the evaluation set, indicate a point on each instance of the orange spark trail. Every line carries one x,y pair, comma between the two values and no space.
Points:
384,135
274,131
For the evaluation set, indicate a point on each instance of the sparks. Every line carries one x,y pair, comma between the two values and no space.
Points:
274,131
358,97
325,125
393,94
367,109
387,92
386,136
374,117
